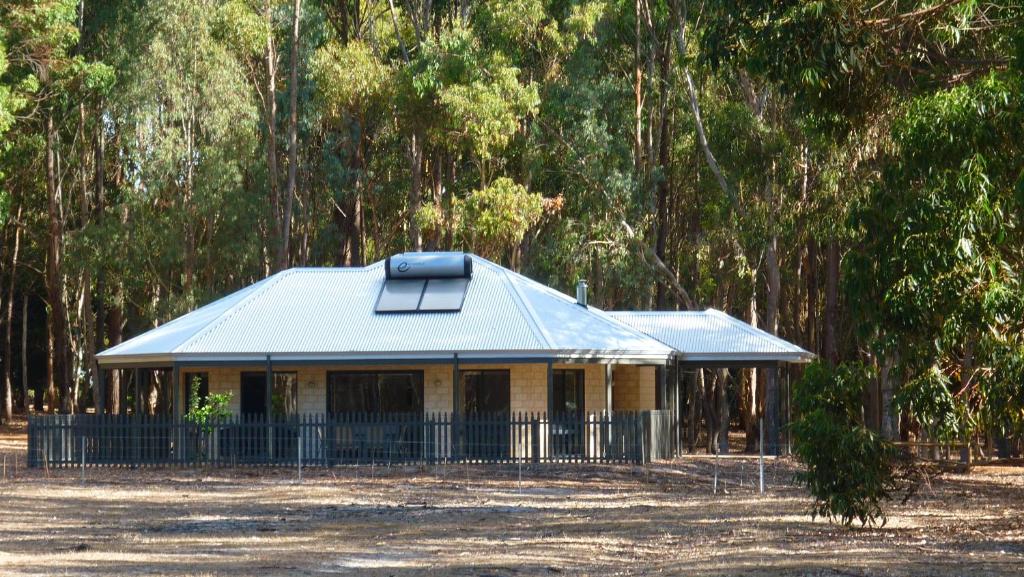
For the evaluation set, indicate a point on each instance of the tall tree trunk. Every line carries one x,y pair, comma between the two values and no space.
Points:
710,409
115,322
58,318
750,387
889,416
100,206
24,358
87,313
50,396
415,191
771,383
270,119
8,408
293,141
722,402
697,384
664,151
355,220
811,334
638,93
830,347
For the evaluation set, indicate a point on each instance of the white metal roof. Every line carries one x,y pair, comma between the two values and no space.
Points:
322,314
712,336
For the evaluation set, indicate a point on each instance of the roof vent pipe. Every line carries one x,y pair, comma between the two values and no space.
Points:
581,293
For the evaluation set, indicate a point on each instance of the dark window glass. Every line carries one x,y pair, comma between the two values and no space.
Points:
567,393
253,398
486,391
203,380
375,392
284,397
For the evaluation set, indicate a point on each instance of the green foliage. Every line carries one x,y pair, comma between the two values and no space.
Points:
850,470
937,274
209,411
496,218
929,398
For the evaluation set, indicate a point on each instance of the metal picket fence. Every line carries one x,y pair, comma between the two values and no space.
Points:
350,438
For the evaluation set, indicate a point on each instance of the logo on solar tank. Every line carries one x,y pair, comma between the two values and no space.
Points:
403,266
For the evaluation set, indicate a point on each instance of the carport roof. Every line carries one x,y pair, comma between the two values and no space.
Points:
713,336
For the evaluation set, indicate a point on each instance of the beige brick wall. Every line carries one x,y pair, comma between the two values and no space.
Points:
594,391
633,387
528,383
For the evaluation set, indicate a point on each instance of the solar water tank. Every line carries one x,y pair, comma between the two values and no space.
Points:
428,265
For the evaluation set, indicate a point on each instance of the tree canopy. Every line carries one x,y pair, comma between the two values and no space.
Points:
844,174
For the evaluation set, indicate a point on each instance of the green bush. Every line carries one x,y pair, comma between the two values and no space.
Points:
206,412
850,470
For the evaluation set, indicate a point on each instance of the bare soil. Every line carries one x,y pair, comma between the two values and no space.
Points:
484,521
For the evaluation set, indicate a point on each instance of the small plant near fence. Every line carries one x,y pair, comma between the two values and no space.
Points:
206,413
850,470
209,411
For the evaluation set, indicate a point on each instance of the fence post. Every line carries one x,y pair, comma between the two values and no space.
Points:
300,452
535,438
83,458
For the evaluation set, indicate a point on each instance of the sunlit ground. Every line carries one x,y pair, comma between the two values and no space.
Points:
478,521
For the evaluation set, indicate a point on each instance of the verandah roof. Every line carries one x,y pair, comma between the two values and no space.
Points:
713,337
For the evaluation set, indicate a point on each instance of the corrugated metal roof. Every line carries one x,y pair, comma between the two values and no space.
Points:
329,313
712,336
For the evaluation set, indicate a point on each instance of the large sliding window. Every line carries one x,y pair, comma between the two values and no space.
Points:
567,393
486,392
374,392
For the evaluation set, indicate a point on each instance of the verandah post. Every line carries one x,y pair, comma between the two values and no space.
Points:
176,411
269,407
551,408
456,404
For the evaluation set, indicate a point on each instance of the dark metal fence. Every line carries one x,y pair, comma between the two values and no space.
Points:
350,438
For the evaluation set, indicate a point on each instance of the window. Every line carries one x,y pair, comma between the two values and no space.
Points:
284,397
567,391
203,382
486,391
375,392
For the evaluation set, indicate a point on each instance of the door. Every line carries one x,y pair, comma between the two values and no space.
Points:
486,407
567,426
251,442
254,394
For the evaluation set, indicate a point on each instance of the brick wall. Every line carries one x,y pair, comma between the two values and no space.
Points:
528,380
633,387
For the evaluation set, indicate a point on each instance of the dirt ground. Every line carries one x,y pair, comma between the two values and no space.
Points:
484,521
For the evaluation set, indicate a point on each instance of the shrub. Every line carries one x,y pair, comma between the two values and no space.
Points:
206,412
850,470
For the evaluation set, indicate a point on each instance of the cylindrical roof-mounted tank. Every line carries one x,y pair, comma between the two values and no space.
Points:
411,265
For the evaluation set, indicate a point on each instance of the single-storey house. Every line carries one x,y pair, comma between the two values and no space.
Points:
446,341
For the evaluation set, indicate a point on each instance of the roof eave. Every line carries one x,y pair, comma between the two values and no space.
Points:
424,357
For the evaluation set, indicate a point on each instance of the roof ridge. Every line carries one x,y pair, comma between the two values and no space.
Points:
598,313
529,314
222,317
